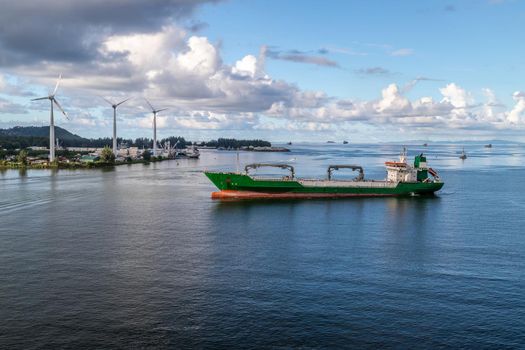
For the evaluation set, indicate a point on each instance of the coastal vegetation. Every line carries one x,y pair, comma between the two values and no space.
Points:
106,159
22,157
107,156
146,155
19,137
38,136
26,147
235,144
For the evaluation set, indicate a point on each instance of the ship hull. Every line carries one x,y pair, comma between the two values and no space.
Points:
240,186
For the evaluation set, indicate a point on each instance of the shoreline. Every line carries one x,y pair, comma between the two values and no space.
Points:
74,166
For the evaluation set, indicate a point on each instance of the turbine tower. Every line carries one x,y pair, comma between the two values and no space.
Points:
115,105
52,101
155,111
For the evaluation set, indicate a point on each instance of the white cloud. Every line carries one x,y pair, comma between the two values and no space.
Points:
246,67
201,58
392,101
146,50
517,114
491,111
456,96
187,75
456,109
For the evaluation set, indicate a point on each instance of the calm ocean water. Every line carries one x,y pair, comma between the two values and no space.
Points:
140,257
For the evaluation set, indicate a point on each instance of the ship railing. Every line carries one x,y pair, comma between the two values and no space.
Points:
265,178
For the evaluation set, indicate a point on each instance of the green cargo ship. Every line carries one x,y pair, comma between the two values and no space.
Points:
403,179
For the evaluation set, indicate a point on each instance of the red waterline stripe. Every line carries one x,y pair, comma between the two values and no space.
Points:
232,194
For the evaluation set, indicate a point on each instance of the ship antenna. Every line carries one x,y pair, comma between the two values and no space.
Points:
403,155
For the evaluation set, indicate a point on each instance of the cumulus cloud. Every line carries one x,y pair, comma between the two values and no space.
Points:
246,66
456,109
177,69
73,31
517,114
456,96
392,101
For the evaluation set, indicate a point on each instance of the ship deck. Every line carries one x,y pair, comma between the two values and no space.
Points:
348,183
331,183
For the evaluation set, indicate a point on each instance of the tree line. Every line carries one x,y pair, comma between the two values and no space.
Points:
235,144
9,142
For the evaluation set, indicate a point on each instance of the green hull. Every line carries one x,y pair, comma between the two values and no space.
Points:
234,185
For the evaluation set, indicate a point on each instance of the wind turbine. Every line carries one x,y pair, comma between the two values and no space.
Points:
115,105
53,101
155,111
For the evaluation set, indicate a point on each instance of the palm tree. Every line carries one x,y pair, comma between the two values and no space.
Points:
107,155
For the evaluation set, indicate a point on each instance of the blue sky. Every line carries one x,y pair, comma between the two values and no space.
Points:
279,70
473,43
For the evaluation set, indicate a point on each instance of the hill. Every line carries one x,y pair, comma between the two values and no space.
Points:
26,136
41,131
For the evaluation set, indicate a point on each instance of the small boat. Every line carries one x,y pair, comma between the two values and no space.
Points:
345,142
289,143
425,145
463,155
191,153
403,179
330,141
489,145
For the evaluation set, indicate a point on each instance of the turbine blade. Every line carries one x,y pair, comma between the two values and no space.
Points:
61,109
108,101
153,109
40,98
160,110
56,86
121,102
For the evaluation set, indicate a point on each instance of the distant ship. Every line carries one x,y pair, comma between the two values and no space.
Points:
289,143
489,145
425,145
191,152
345,142
330,141
463,155
403,179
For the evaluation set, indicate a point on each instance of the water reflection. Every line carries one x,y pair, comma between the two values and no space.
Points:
22,172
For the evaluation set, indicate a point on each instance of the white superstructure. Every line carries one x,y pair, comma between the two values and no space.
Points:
401,171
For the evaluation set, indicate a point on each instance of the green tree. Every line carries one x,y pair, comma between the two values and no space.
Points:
146,155
22,157
107,156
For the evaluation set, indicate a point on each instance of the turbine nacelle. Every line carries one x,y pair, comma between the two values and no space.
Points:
155,111
52,98
115,105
